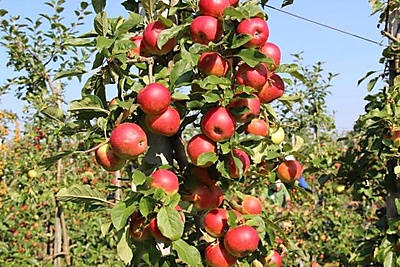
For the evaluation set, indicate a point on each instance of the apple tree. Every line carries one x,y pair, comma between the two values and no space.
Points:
178,106
371,164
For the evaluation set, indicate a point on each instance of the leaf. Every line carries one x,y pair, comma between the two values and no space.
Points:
287,2
54,113
187,253
3,12
49,161
253,57
105,228
79,42
101,24
181,72
168,34
133,20
146,205
103,42
98,5
371,84
124,249
206,158
298,143
180,96
121,212
169,222
89,107
240,40
69,73
82,194
138,177
369,73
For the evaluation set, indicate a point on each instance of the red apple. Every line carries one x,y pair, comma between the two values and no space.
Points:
166,123
106,158
257,127
166,180
138,229
214,8
128,140
241,240
257,28
216,196
150,38
241,101
198,145
254,77
205,29
218,124
217,256
251,205
138,50
243,157
395,136
273,89
154,98
234,2
289,171
272,51
216,222
202,175
200,196
273,259
212,63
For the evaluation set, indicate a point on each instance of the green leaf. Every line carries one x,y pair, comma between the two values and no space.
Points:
168,34
369,73
371,84
206,158
253,57
3,12
54,113
49,161
133,20
101,24
180,96
298,143
69,73
169,222
187,253
138,177
146,205
82,194
121,212
240,40
181,72
79,42
103,42
124,249
98,5
89,107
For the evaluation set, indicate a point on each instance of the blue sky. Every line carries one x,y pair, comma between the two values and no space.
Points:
352,58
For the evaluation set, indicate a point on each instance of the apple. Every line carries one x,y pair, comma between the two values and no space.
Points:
257,28
212,63
202,175
243,157
200,196
254,77
138,230
273,259
272,89
216,222
277,136
289,171
241,240
251,205
150,38
155,231
257,127
218,124
32,174
154,98
107,159
128,140
272,51
234,2
138,50
214,8
166,123
198,145
217,256
239,102
166,180
216,196
395,135
205,29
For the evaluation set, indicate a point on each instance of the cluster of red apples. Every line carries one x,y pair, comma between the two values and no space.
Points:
218,125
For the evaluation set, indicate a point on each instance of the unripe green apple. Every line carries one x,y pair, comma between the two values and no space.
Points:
278,136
